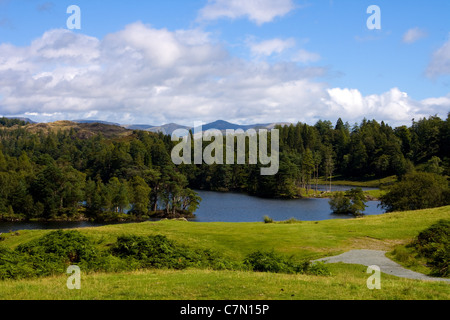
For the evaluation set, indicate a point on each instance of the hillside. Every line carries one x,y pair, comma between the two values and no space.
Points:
82,130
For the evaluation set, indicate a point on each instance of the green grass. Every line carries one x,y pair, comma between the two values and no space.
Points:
303,240
408,258
347,283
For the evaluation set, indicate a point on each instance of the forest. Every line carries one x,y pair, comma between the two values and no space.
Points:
68,174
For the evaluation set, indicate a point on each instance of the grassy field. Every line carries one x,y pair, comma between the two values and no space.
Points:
348,282
303,240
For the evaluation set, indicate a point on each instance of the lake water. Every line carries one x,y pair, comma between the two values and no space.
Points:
235,207
230,207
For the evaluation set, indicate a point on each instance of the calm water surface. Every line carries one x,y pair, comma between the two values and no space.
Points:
230,207
235,207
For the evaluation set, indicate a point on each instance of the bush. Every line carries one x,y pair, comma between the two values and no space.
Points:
54,252
271,262
318,268
160,252
291,221
14,265
68,247
434,244
267,219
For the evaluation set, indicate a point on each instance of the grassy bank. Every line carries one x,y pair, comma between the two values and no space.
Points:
303,240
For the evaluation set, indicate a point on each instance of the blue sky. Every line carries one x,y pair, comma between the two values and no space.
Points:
244,61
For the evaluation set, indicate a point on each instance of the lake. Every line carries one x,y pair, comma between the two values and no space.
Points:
236,207
230,207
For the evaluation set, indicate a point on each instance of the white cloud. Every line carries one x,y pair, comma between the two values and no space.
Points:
440,62
279,46
413,35
393,106
440,106
269,47
257,11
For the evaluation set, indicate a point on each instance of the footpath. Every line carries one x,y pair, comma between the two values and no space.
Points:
378,258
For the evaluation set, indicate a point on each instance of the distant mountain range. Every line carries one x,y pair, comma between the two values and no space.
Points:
169,128
219,125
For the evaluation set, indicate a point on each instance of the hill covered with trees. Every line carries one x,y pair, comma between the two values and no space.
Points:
92,171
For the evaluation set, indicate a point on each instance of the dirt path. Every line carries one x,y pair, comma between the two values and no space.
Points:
378,258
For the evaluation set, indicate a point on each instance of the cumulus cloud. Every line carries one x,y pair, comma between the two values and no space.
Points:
440,61
413,35
146,75
257,11
393,106
440,105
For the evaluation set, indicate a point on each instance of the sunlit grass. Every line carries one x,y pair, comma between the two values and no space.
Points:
348,282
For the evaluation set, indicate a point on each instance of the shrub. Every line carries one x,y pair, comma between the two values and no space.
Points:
14,265
69,247
318,268
434,244
267,219
291,221
54,252
160,252
271,262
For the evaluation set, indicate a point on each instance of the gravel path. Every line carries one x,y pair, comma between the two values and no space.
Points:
378,258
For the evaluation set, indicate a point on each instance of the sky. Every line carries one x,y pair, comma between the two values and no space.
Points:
253,61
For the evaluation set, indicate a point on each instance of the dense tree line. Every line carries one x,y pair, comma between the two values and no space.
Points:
369,150
61,176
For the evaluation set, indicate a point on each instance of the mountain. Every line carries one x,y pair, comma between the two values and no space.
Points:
224,125
221,125
168,129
